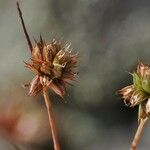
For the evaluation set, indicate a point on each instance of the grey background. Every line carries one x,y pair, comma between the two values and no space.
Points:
110,36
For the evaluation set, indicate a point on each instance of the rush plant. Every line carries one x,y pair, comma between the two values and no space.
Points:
138,94
54,67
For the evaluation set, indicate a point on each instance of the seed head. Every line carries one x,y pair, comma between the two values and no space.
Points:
139,92
53,64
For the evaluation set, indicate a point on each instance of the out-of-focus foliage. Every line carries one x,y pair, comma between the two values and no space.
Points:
111,36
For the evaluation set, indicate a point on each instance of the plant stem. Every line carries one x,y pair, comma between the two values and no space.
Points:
137,136
51,119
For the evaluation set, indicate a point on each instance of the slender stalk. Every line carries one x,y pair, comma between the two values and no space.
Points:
51,119
24,27
137,136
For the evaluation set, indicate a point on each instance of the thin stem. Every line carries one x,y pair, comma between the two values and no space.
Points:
24,27
137,136
51,119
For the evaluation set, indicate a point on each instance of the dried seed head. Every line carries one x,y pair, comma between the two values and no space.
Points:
54,67
53,64
139,91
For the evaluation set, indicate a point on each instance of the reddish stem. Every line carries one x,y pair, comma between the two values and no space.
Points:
51,119
137,136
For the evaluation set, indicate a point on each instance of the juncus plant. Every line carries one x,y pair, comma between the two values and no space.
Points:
54,67
138,94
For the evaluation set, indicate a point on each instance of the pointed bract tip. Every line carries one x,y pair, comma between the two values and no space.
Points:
41,40
24,27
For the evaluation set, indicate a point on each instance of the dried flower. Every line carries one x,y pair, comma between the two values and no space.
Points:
139,91
54,66
139,94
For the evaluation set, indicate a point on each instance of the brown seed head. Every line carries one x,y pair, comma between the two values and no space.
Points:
139,90
53,64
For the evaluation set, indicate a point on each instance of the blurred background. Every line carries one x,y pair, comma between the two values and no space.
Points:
111,36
